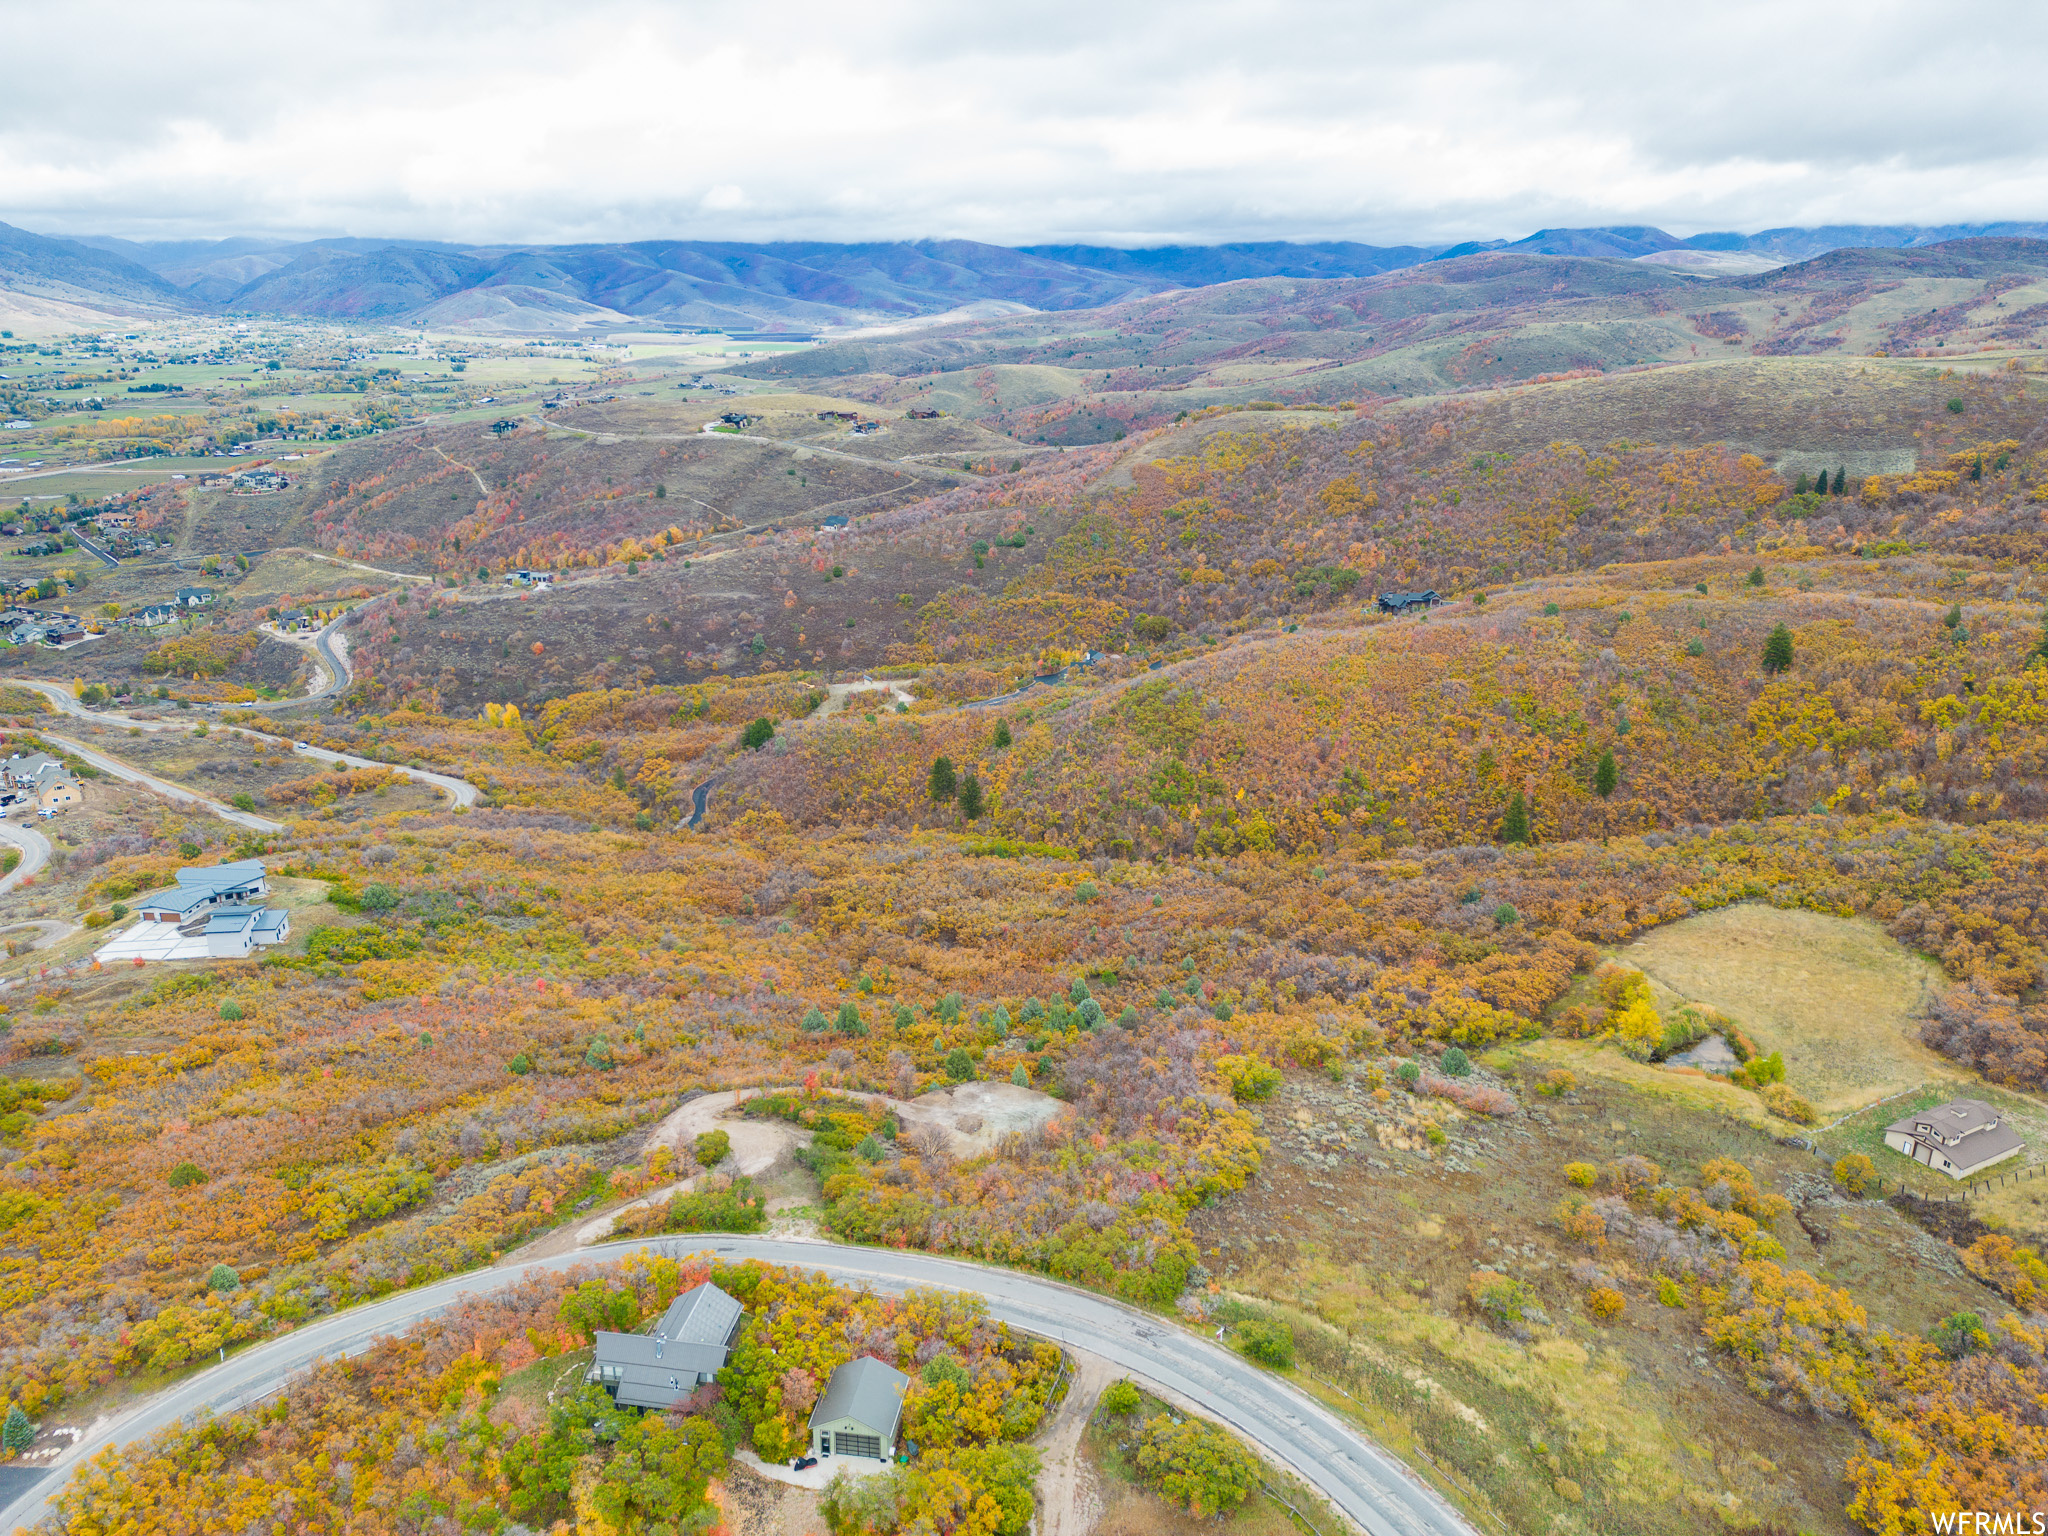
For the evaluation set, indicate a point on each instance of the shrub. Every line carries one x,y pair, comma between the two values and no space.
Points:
1268,1342
1604,1302
244,801
1854,1172
222,1277
1247,1077
758,734
1668,1292
1197,1464
1409,1073
1498,1297
1120,1397
959,1065
1960,1334
738,1209
1456,1063
814,1021
231,1009
519,1065
378,897
1582,1174
1556,1081
712,1148
185,1175
1781,1101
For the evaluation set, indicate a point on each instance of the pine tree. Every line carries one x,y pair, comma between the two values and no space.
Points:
1841,481
1756,576
970,798
1778,651
1606,775
943,784
1002,733
18,1433
1803,485
1514,826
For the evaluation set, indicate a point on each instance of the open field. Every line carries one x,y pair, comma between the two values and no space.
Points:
1838,997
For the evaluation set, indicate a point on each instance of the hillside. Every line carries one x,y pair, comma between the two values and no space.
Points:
1455,325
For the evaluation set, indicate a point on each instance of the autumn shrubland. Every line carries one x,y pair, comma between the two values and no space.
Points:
1307,927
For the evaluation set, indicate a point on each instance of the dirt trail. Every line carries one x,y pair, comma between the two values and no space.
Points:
1068,1500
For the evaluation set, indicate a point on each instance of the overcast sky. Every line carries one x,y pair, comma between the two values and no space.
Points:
1076,120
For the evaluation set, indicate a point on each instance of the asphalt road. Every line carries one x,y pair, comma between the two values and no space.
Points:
459,791
35,853
1370,1486
165,787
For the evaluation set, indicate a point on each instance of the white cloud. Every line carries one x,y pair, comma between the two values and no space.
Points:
624,119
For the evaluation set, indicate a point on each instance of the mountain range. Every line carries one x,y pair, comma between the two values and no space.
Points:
807,286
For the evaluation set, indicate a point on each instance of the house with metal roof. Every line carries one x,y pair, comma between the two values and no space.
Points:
205,886
687,1349
232,932
1961,1138
860,1412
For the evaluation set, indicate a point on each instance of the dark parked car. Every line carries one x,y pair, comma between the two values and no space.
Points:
801,1462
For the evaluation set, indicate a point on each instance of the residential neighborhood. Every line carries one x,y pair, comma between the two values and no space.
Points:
37,781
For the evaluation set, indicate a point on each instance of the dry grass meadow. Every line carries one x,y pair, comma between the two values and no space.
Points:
1837,996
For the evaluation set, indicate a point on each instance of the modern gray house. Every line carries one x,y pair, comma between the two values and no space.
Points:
686,1350
860,1411
1960,1138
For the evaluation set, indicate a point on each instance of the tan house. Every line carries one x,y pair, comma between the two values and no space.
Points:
1961,1138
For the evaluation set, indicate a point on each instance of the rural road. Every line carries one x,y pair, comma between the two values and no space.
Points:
1371,1487
35,853
459,791
133,775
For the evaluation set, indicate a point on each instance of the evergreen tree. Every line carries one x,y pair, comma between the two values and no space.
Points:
970,798
1841,481
758,734
2041,650
1514,826
943,783
1756,576
1803,485
18,1433
1778,651
1002,733
1606,775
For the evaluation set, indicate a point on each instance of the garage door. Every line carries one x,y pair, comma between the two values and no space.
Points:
858,1445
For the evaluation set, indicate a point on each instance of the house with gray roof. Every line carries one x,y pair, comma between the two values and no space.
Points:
1961,1138
860,1412
687,1349
202,887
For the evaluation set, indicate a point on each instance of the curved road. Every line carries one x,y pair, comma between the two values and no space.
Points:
1374,1489
459,791
35,853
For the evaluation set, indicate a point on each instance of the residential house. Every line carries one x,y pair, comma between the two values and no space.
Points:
39,779
922,415
687,1349
836,520
62,630
867,429
860,1411
296,622
25,632
115,519
153,614
200,888
233,931
194,597
1961,1138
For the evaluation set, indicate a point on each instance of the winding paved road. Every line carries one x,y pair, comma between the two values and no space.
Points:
35,853
459,791
1371,1487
